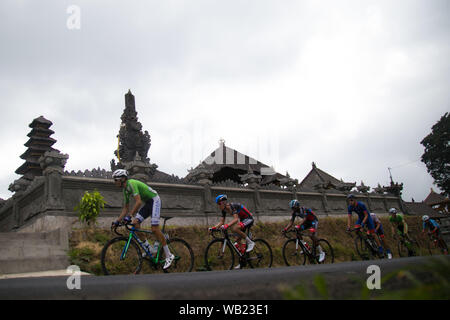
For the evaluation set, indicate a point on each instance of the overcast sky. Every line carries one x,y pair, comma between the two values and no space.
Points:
352,85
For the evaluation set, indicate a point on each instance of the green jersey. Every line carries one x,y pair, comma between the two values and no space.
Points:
398,220
135,187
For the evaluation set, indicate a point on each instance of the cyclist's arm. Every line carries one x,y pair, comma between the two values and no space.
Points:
221,222
235,220
137,205
366,216
124,212
349,220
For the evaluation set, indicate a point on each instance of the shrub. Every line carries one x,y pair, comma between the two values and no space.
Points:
89,207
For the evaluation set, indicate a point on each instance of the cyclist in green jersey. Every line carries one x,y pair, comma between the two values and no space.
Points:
398,222
147,204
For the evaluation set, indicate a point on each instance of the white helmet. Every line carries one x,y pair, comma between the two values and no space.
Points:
425,218
392,210
119,173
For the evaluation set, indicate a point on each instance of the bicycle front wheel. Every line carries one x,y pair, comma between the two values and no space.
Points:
219,255
184,256
293,254
117,258
363,248
261,255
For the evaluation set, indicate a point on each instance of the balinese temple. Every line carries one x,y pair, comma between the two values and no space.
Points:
39,142
319,180
227,164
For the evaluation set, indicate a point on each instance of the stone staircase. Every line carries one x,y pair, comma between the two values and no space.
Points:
33,252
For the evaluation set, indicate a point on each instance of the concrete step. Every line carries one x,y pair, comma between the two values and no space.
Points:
50,237
33,264
29,251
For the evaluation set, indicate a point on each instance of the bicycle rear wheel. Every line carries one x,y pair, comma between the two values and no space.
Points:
261,255
219,255
293,254
327,250
117,259
184,256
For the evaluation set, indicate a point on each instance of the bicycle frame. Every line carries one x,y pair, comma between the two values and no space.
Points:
227,239
299,236
132,235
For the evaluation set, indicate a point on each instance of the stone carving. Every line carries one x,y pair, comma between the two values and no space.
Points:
363,188
200,175
252,180
53,161
131,138
288,182
394,188
94,173
139,169
228,184
379,189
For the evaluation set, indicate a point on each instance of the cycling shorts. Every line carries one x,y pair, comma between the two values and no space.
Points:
246,223
369,224
311,225
152,208
380,232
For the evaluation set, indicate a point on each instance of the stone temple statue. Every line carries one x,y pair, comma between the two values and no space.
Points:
132,141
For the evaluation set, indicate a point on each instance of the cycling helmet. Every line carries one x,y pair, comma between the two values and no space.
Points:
350,196
425,218
221,197
392,211
119,173
294,203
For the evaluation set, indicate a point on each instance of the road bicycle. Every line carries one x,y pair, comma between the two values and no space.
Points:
366,246
297,251
434,243
220,253
124,254
407,247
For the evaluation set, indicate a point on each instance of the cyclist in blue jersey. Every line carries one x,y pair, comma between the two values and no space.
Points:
242,219
364,218
433,228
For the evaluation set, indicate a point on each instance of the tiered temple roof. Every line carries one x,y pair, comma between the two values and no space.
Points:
38,143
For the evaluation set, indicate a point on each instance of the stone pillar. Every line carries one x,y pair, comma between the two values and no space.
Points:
52,164
139,169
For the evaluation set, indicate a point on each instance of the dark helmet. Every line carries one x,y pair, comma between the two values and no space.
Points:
350,197
294,204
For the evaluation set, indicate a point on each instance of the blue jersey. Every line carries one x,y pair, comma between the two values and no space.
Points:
431,224
359,209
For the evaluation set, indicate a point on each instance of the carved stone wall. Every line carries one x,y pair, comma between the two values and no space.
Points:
193,204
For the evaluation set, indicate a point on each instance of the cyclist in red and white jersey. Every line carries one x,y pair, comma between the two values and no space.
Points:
242,219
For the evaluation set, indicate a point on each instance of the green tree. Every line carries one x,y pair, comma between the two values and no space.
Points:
437,153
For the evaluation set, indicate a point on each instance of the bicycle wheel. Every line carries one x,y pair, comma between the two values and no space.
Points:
326,249
408,248
261,255
293,254
363,249
112,261
219,255
184,256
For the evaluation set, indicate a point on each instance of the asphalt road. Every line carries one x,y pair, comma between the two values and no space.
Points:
247,284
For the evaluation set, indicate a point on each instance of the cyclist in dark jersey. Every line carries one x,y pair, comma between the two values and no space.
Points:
364,218
309,222
242,219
